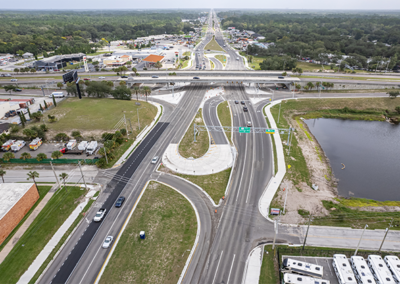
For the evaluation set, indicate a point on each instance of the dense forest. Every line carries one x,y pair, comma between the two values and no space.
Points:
70,31
316,35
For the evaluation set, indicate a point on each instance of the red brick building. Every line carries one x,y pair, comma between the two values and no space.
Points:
16,199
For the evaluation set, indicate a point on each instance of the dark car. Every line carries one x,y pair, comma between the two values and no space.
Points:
154,76
196,77
124,76
245,109
119,202
242,102
18,90
236,102
281,77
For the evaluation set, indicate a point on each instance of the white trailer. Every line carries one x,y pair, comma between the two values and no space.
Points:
343,270
290,265
91,148
380,270
57,95
71,144
83,145
289,278
361,270
393,262
17,145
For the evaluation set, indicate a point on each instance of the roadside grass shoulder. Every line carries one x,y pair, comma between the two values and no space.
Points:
43,191
255,60
52,216
224,116
269,273
273,143
188,148
170,224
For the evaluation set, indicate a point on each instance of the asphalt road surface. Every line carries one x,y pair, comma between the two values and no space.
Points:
210,117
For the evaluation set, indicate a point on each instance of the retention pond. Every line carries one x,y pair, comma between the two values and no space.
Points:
370,151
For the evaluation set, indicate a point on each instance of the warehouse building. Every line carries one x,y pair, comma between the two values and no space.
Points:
16,199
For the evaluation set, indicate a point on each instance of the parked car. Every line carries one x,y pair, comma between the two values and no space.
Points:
108,241
120,201
154,160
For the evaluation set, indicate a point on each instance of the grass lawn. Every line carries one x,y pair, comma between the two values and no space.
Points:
43,191
212,65
269,268
213,45
98,53
170,225
221,58
273,143
188,148
255,61
224,116
93,114
52,216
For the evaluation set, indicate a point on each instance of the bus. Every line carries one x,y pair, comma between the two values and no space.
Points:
289,278
290,265
343,270
393,262
361,270
379,269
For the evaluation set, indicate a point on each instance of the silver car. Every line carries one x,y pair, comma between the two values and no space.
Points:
107,242
154,160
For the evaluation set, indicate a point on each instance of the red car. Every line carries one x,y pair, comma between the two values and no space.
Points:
86,79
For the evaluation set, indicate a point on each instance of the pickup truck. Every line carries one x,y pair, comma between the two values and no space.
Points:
99,215
65,151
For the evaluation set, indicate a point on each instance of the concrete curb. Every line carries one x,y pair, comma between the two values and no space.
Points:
248,260
196,241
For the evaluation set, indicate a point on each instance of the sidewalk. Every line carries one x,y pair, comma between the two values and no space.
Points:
11,243
140,137
253,266
217,159
41,258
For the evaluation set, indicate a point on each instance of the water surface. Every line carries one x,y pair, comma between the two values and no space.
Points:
370,150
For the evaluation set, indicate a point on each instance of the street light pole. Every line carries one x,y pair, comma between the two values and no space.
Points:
386,232
305,239
355,253
138,117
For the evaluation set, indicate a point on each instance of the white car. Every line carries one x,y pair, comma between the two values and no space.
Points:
107,242
102,77
154,160
14,80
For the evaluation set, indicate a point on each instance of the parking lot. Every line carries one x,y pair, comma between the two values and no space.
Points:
326,262
49,148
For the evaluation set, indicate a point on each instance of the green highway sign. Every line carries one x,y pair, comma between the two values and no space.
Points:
244,129
270,131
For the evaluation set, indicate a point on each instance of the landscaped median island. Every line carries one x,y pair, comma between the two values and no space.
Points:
307,165
213,45
221,58
170,225
224,115
32,242
187,147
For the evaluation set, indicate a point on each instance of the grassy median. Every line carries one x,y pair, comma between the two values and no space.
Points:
49,220
269,273
170,225
221,58
224,115
188,148
213,45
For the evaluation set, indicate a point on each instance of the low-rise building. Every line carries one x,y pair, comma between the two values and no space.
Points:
152,59
16,199
57,62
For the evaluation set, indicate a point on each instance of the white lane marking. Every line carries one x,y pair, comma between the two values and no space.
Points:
217,267
227,282
221,218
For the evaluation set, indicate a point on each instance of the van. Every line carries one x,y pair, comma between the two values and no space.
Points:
91,148
57,95
237,58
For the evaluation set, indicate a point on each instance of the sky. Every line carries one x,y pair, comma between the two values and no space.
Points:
225,4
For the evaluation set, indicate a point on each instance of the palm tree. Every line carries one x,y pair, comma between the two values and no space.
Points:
33,175
136,90
146,91
134,70
2,173
310,85
63,177
158,65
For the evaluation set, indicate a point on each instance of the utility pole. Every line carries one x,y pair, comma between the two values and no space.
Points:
138,117
105,154
58,182
83,177
355,253
126,127
305,239
130,123
386,232
284,204
194,132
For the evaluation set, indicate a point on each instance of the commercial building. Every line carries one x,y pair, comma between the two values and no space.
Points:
152,59
16,199
57,62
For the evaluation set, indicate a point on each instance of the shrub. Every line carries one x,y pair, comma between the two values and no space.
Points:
7,156
44,127
41,156
76,134
56,154
25,156
101,163
61,137
123,131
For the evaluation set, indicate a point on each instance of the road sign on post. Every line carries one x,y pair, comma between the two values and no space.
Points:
244,129
270,131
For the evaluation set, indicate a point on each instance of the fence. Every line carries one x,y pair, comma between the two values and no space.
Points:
54,161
